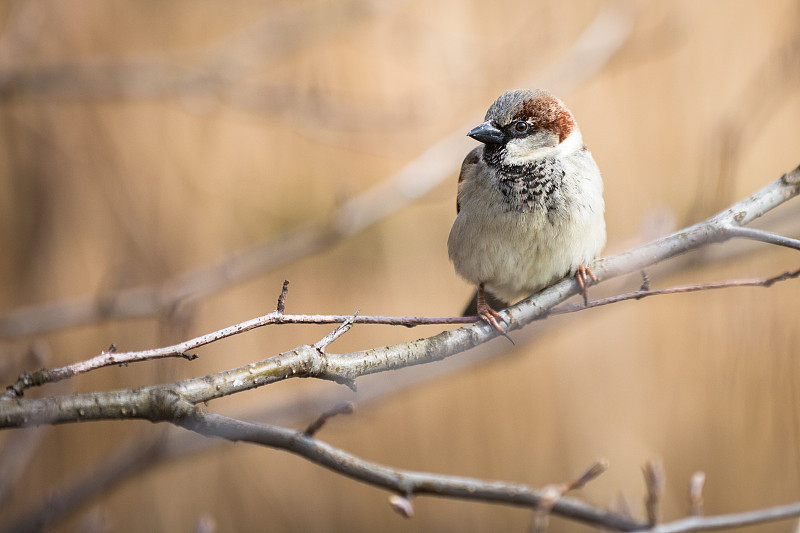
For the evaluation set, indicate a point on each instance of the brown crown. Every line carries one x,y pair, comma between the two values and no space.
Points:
548,113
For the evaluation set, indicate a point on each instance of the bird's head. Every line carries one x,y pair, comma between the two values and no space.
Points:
526,125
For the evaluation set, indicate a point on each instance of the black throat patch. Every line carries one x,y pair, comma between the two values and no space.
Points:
529,187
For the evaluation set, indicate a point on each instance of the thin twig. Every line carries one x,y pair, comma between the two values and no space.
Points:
552,493
281,307
340,330
653,471
755,234
696,484
345,408
733,520
694,287
591,473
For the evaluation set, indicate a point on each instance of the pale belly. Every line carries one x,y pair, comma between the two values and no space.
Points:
516,254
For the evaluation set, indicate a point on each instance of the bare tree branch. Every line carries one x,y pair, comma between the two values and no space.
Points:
308,361
763,236
178,402
111,357
403,482
734,520
643,293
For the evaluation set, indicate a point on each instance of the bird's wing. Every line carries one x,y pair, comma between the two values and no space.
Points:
467,167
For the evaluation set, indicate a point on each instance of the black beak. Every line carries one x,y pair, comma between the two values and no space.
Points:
487,133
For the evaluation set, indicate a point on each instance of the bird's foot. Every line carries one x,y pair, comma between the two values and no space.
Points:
490,316
582,275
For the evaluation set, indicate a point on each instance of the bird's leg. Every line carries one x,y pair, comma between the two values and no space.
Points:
581,275
489,315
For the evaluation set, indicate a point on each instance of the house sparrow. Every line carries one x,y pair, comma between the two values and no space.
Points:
530,202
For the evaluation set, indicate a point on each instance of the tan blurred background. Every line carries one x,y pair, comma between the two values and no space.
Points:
141,140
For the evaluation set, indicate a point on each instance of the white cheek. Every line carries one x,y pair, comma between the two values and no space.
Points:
525,150
534,147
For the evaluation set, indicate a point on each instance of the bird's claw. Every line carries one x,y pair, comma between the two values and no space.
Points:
582,275
489,315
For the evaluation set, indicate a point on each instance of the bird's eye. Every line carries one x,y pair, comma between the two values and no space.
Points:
521,126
